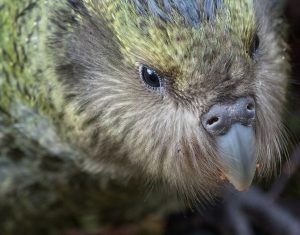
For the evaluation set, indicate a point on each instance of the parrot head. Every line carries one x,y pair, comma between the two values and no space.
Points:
187,93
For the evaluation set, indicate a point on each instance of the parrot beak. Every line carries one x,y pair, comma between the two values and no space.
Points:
238,155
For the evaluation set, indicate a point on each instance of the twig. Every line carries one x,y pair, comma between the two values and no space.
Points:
289,169
238,220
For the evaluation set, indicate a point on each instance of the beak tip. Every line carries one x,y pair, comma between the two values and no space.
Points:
241,187
240,183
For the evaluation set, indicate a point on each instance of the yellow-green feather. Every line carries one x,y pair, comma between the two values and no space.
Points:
175,48
25,77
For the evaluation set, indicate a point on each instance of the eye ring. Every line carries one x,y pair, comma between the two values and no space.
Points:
150,77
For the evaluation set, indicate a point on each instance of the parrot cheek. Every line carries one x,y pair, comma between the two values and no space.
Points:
238,156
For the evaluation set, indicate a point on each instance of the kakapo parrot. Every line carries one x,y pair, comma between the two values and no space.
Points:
183,94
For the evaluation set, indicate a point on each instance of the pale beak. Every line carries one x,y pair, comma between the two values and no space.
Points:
238,155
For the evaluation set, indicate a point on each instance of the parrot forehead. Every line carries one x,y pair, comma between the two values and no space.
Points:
176,35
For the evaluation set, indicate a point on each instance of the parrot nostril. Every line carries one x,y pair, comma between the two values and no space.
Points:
250,107
212,121
221,116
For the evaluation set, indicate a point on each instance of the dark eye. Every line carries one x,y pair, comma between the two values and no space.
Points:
150,77
254,45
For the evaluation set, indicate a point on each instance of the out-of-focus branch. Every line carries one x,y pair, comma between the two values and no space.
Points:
289,169
238,219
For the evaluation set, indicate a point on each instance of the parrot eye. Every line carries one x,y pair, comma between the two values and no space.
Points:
254,45
150,77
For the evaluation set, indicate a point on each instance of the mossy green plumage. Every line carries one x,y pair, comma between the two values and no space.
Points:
25,84
23,61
